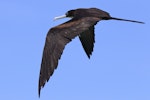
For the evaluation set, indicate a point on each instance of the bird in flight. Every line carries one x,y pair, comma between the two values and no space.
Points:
81,25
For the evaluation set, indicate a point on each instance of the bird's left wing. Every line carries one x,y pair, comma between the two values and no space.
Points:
56,40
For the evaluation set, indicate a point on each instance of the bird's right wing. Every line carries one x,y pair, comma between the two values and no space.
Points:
87,39
56,40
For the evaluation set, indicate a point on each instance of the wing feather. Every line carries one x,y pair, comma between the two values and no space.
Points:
56,40
87,39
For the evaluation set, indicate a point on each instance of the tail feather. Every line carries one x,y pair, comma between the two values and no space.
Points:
126,20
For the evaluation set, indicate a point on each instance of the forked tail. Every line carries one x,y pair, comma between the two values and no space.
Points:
126,20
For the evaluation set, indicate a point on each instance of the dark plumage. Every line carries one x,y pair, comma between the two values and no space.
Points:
82,25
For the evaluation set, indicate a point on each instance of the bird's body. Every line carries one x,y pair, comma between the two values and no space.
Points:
82,25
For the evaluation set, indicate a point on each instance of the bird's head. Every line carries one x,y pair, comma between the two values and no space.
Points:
84,12
78,13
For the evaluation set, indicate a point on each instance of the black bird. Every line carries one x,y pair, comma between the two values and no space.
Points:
81,25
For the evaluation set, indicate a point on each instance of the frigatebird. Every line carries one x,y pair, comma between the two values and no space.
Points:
81,25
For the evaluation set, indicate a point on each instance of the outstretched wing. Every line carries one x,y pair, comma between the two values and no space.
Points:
87,39
56,40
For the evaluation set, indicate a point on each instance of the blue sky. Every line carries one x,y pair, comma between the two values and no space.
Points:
119,68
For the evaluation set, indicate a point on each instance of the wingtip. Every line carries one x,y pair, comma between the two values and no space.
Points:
89,56
39,89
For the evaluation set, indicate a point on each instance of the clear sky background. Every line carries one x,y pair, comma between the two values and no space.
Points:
119,68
